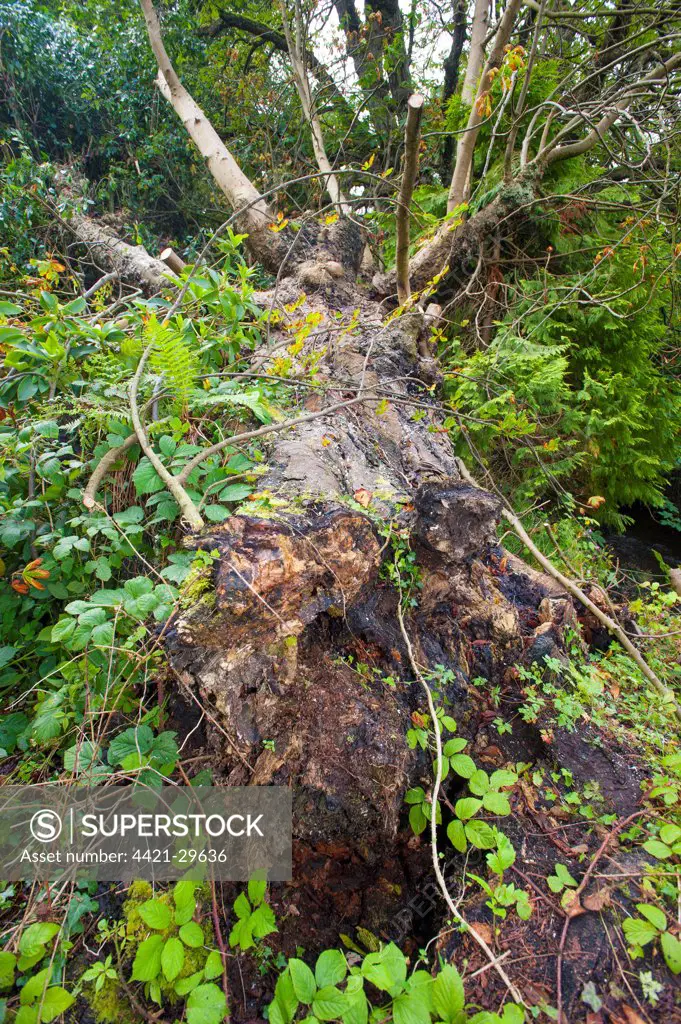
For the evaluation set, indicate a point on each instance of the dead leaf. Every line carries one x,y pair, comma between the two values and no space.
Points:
629,1016
363,496
597,900
483,930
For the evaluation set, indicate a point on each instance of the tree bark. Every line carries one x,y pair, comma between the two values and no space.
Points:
255,216
131,263
476,52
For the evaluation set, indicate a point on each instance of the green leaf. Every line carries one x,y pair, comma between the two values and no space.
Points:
26,1015
137,740
448,994
653,914
303,980
8,962
155,914
657,849
79,757
481,835
496,803
216,513
457,835
462,764
213,966
242,908
479,782
206,1005
671,950
172,958
328,1003
147,963
36,936
417,819
386,969
409,1008
502,778
10,309
356,1010
257,887
466,808
415,796
235,492
185,985
331,968
63,629
454,746
55,1002
146,479
669,834
34,987
262,921
283,1008
638,932
192,935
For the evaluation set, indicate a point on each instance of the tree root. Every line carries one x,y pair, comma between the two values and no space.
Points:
613,627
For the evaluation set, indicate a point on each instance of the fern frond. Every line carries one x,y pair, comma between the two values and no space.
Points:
173,359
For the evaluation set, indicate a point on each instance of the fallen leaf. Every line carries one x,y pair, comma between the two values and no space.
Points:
631,1016
597,900
363,496
483,930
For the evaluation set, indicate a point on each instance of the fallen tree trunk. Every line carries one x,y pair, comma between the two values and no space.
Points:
131,263
299,598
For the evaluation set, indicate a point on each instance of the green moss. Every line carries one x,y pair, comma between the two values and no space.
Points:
110,1005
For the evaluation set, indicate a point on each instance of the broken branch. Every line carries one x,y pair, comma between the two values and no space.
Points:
411,163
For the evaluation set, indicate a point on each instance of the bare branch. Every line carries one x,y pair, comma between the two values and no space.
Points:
411,163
